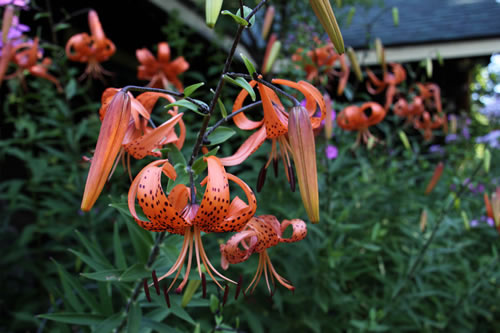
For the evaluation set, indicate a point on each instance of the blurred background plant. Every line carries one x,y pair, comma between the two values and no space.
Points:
385,256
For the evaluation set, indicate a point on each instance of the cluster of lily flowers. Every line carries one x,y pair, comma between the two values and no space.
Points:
18,49
424,111
127,131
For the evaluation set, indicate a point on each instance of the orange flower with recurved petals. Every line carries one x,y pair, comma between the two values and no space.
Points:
324,59
275,126
354,118
25,56
161,71
92,49
261,233
125,129
390,80
175,214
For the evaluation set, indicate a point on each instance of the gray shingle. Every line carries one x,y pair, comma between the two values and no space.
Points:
424,21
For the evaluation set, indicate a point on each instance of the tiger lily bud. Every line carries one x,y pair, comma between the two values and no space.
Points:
212,11
301,136
109,142
379,50
435,178
268,21
324,13
274,48
354,63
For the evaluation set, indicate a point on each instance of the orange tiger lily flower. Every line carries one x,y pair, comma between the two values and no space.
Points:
354,118
161,71
125,130
427,123
390,80
92,49
25,56
324,58
175,214
261,233
275,126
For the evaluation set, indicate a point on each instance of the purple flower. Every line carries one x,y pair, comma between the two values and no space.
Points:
490,221
465,132
437,149
491,139
331,152
19,3
450,138
474,223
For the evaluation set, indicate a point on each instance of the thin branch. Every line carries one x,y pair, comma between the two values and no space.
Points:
230,116
267,84
201,107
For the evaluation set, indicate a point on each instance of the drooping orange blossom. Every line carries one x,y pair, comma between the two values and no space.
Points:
125,130
25,56
360,118
324,58
175,214
390,80
275,126
92,49
160,71
261,233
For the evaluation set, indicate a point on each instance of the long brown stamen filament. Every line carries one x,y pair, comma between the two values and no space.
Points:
188,268
280,279
257,275
226,293
206,262
238,287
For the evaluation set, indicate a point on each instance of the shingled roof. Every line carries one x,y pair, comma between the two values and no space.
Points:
424,21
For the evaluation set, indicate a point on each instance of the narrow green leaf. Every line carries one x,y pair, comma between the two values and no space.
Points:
174,155
135,272
141,241
242,83
191,288
109,324
200,165
120,260
85,295
105,276
182,177
189,90
96,265
61,26
246,12
181,313
105,297
134,318
70,89
156,326
186,104
94,251
236,18
70,298
250,67
74,318
222,108
220,135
